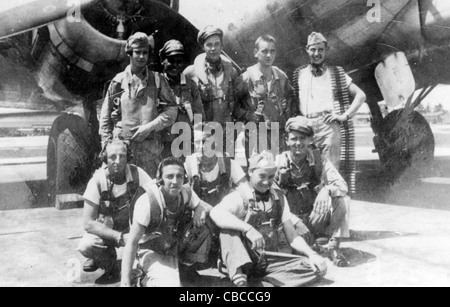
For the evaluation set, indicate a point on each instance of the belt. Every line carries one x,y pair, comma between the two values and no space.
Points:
318,114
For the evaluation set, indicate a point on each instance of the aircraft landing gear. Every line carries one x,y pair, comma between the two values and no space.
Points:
70,160
405,140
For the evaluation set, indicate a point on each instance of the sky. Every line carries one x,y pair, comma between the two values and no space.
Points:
202,13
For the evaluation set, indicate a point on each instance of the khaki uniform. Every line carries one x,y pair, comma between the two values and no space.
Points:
138,100
217,93
272,102
189,103
114,211
301,184
267,218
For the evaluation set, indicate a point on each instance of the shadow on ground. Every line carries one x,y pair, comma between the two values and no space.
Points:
356,257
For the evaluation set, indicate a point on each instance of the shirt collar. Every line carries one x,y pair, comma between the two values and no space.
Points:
318,71
259,75
273,193
143,75
309,158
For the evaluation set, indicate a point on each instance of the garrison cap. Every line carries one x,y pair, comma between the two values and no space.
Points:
300,124
264,160
316,38
207,33
139,40
171,48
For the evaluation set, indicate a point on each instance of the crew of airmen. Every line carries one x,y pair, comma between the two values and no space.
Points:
275,224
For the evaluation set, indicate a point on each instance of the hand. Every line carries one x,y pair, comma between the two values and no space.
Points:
323,202
322,207
257,239
199,216
141,133
318,264
284,174
330,118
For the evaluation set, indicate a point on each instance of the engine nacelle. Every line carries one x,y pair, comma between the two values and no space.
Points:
75,58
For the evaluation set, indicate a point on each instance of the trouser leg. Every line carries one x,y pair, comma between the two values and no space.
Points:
161,271
327,137
334,220
290,272
234,253
95,248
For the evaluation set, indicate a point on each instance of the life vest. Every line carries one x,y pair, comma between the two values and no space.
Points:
119,209
185,107
214,112
300,190
269,224
165,226
129,112
210,192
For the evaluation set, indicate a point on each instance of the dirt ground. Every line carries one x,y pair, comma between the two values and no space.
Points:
390,246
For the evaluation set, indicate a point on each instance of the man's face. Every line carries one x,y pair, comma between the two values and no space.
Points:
203,145
262,179
298,143
139,57
117,159
173,65
317,53
213,48
266,53
173,178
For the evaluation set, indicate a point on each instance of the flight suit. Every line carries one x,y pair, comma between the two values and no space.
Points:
271,103
189,103
135,100
217,93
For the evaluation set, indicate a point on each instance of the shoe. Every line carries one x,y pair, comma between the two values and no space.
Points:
90,266
240,281
188,274
321,246
110,277
338,258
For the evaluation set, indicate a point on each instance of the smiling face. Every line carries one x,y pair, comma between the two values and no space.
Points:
139,57
317,53
117,159
298,143
173,178
173,65
262,179
213,48
266,53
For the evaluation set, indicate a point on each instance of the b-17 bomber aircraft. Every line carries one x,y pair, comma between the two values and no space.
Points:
61,55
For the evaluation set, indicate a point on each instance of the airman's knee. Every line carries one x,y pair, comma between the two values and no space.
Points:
87,246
